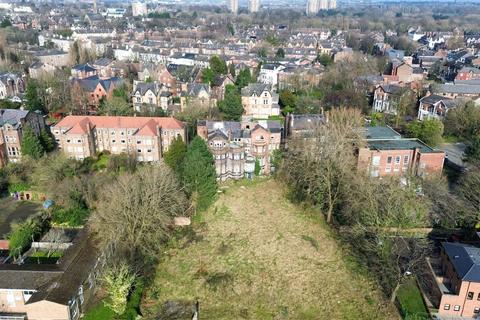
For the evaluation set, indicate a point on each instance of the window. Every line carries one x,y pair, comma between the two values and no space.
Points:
456,308
113,133
470,296
389,159
113,141
446,307
397,159
405,160
476,310
376,161
139,150
478,297
139,141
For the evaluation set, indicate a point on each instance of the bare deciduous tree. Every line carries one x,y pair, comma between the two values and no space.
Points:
137,210
318,167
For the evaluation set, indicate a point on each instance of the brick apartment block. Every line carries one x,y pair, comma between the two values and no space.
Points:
145,137
386,153
455,287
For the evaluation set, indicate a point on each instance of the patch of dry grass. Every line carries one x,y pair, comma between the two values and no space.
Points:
261,257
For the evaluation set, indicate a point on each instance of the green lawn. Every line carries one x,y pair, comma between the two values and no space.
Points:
254,255
411,302
100,311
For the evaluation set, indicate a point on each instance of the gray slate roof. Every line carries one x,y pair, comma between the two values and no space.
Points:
12,116
465,260
457,88
434,98
255,88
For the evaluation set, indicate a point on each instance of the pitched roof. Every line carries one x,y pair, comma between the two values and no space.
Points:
465,260
255,88
306,121
391,88
91,83
85,67
12,116
457,88
143,87
194,89
433,98
145,125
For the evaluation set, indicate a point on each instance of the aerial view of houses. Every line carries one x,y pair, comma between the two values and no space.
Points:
181,159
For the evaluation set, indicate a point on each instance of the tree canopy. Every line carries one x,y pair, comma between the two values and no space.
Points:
137,210
218,65
175,153
231,106
244,78
32,97
429,131
199,174
31,145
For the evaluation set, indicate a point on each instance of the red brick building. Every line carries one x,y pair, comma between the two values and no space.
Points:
387,154
457,281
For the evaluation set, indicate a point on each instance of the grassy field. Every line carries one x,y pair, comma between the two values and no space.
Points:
254,255
411,301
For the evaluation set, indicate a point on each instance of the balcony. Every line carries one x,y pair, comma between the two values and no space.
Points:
441,281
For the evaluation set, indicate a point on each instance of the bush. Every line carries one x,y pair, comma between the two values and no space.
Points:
72,217
18,187
118,282
429,131
133,304
22,235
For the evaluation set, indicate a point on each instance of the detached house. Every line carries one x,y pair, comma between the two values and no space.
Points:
386,98
260,101
269,74
94,89
146,138
197,95
435,106
151,95
12,123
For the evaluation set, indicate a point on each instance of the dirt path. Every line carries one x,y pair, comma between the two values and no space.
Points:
257,256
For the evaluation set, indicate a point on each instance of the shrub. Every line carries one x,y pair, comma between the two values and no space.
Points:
17,187
118,282
72,217
22,235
